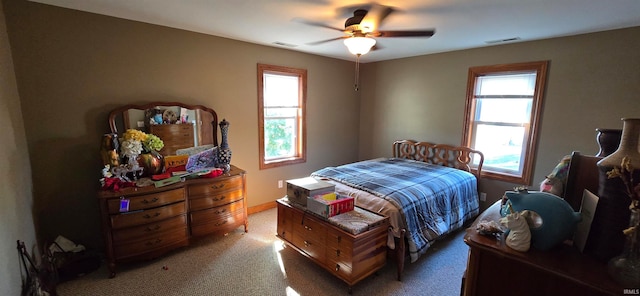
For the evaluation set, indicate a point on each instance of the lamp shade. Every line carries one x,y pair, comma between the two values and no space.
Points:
359,45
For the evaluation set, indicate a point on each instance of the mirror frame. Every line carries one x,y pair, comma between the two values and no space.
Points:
120,111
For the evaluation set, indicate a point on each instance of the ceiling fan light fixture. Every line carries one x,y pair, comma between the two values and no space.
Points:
359,45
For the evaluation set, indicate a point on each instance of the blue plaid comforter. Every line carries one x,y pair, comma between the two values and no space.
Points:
433,200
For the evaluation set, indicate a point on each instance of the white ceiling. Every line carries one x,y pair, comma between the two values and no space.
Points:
459,24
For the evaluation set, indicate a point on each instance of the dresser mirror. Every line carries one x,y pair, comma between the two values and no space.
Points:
178,125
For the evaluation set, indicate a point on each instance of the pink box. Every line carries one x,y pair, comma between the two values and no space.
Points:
330,208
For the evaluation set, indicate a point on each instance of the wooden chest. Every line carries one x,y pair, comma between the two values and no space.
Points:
347,256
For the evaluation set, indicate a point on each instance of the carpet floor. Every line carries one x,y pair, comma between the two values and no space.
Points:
257,263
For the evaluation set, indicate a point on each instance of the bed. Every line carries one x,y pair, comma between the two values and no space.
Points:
427,190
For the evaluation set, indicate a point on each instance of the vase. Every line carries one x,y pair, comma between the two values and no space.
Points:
625,268
606,239
608,140
224,153
151,163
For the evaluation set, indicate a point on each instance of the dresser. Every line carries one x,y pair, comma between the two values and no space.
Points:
350,257
162,219
495,269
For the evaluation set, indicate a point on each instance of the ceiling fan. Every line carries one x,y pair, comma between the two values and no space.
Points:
361,29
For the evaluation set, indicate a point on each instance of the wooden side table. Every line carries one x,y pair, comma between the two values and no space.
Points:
495,269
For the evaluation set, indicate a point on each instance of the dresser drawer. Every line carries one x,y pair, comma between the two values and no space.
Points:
216,187
214,200
149,243
136,232
217,213
216,221
147,216
148,201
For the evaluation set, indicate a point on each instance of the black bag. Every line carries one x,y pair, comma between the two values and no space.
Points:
69,265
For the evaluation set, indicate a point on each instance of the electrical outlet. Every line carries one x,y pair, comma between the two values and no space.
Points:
279,183
483,196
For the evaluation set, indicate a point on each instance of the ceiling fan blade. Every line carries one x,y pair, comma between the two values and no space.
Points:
374,17
327,40
423,33
316,24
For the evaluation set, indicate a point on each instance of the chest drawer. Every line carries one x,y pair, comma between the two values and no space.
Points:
285,225
227,184
310,235
214,200
150,229
314,248
148,201
147,216
309,228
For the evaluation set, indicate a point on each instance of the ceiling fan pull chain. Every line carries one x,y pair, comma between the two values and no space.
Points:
357,78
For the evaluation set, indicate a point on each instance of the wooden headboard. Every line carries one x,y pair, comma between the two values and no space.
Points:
446,155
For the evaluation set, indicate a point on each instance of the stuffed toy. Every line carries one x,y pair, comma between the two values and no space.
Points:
556,181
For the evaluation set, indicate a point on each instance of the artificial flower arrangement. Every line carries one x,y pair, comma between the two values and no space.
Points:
133,143
632,187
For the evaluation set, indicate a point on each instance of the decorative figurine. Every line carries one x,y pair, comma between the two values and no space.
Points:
519,236
558,218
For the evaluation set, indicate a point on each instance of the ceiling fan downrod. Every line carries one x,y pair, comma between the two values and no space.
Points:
357,76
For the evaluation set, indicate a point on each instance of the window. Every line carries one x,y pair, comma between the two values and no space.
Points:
282,94
502,115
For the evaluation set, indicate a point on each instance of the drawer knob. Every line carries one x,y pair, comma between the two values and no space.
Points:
153,228
221,211
221,197
306,243
147,216
151,243
145,201
337,253
307,227
221,223
217,186
337,267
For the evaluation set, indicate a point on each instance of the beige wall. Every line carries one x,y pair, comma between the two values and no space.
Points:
74,67
593,81
16,198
